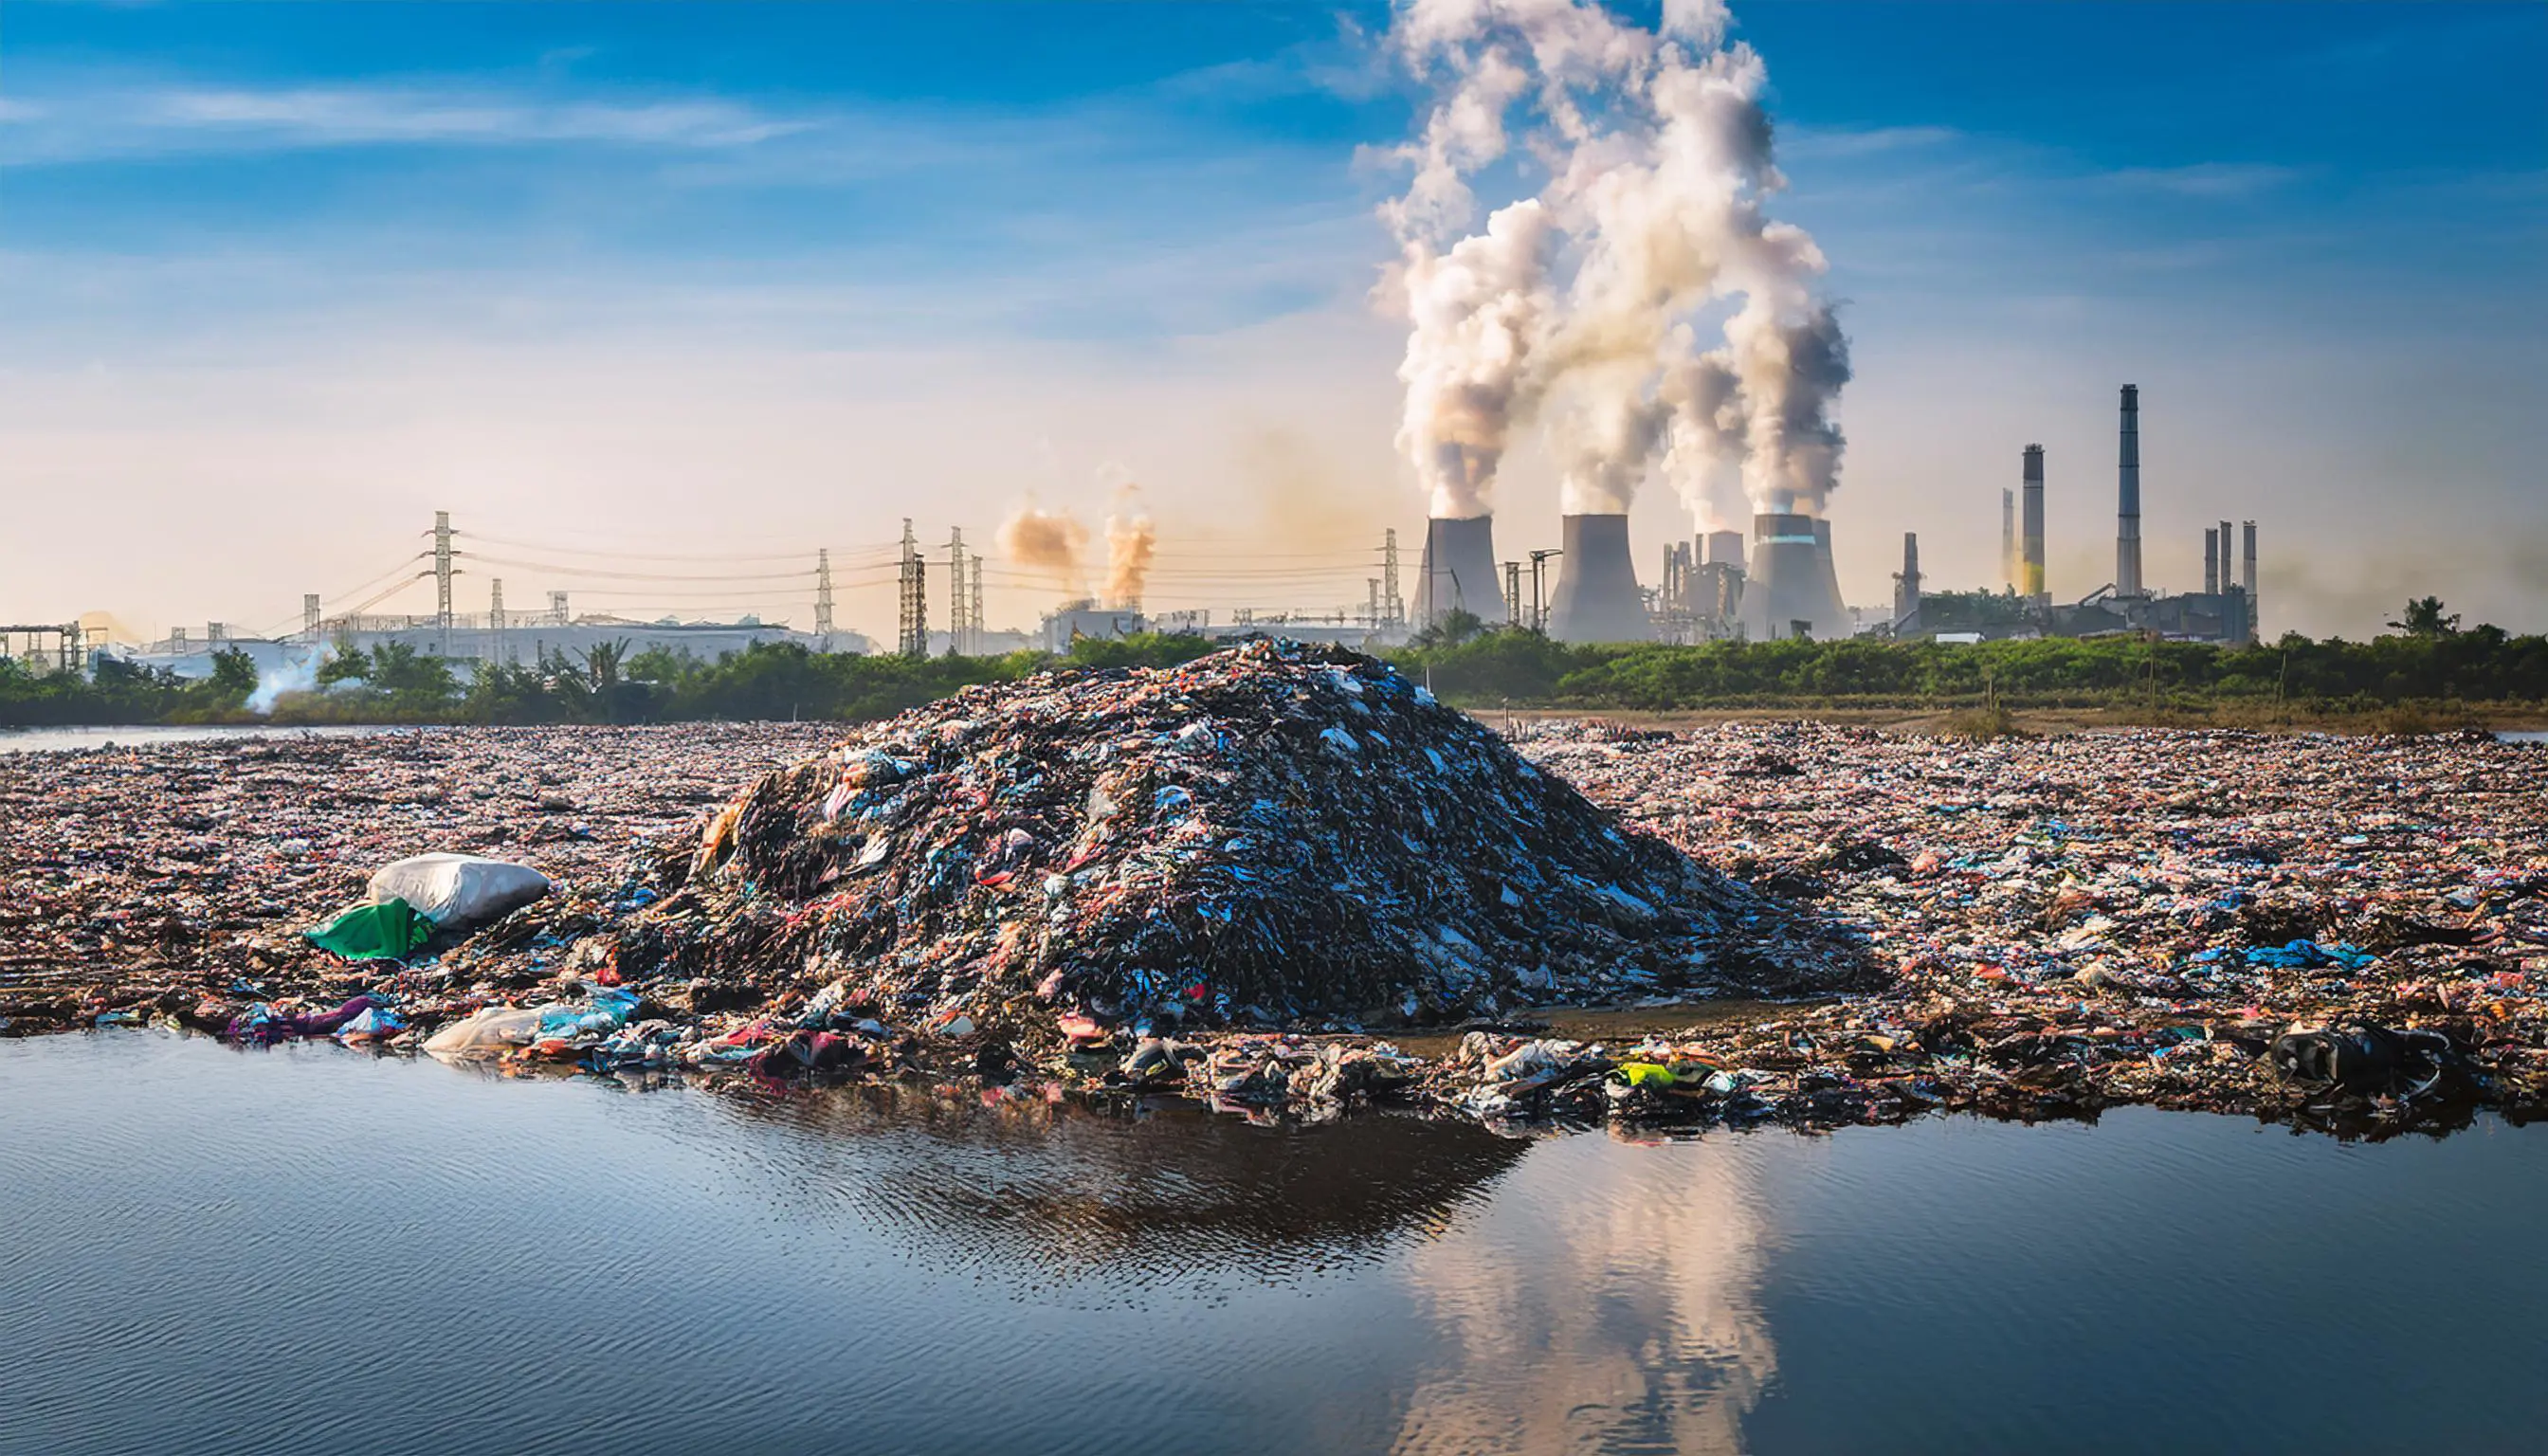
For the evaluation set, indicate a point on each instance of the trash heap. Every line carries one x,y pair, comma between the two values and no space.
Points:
2344,933
1275,833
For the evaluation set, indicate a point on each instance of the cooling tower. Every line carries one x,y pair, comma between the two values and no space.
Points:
1786,584
1833,602
1597,599
1459,571
1725,548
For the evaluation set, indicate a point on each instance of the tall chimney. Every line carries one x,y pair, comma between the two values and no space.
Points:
2127,500
2008,538
2031,578
2247,578
1596,599
1906,587
2211,561
2229,544
1459,571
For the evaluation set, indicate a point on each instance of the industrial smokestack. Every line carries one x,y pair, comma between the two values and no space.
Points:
2128,499
1906,587
2031,574
2211,561
1458,573
1786,587
1597,599
2229,544
2247,578
2008,538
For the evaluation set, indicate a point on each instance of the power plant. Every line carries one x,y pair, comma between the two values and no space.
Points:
1597,599
2224,610
1781,582
1790,590
1458,572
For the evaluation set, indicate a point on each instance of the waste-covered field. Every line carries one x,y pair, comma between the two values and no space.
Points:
1271,879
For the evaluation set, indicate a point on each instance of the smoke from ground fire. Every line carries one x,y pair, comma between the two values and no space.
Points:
1576,309
1057,542
1046,541
1131,540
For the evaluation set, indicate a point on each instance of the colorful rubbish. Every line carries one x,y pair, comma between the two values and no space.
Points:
380,930
2339,933
459,893
1205,846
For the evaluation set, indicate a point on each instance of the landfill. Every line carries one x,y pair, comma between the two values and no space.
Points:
1285,884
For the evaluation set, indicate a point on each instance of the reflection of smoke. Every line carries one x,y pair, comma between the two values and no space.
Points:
1045,541
1600,1301
1131,540
1576,308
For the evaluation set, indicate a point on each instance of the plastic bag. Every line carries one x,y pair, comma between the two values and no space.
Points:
455,891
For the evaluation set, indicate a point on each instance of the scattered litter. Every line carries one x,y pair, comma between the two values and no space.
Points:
1136,882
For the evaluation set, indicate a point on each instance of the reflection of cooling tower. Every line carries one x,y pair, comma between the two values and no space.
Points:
1791,581
1459,571
1597,586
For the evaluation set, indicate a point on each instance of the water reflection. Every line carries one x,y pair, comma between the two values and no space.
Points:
301,1250
1038,1191
1605,1302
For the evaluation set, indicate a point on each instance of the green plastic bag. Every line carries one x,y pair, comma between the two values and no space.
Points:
388,930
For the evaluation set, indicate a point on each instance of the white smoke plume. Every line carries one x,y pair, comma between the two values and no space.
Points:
1046,541
1576,308
295,673
1130,541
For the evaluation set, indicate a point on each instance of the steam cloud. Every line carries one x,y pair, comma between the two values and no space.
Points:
1579,309
1045,541
1130,541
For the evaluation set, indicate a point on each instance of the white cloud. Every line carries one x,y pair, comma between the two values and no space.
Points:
88,123
2204,179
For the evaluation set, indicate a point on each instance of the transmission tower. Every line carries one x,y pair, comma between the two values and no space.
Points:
973,609
915,598
823,595
959,628
442,583
310,615
1390,600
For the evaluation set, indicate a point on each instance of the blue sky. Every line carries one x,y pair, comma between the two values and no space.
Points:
281,280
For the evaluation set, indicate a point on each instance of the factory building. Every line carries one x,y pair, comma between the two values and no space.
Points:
2224,610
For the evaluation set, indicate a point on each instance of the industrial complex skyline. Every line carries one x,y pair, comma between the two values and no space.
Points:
723,285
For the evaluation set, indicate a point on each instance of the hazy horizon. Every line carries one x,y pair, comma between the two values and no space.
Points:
620,285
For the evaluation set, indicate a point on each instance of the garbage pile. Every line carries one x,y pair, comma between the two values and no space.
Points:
1275,835
1224,880
2351,933
177,882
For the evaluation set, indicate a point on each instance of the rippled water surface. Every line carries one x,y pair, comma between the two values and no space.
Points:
305,1250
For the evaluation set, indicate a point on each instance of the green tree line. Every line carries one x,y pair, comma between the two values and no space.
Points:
2428,659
